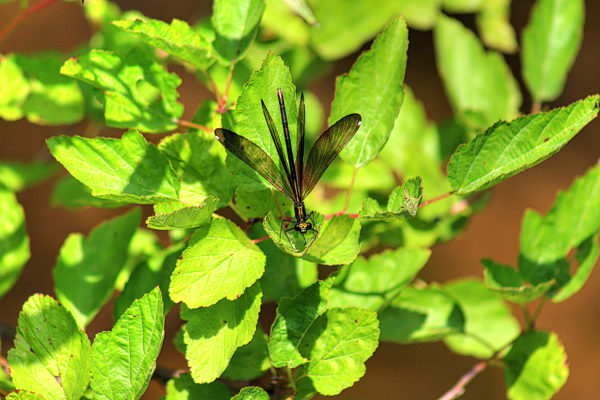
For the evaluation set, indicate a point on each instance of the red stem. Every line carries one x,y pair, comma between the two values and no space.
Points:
435,199
260,239
192,125
329,216
17,19
459,388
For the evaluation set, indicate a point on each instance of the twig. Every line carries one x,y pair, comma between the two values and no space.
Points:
350,189
192,125
260,239
223,100
213,85
425,203
18,18
459,388
536,107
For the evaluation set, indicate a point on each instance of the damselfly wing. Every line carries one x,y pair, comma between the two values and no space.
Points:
299,177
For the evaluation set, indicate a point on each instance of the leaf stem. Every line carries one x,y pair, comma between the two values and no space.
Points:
350,189
458,389
212,84
537,312
192,125
329,216
536,107
425,203
260,239
526,315
223,100
18,18
290,376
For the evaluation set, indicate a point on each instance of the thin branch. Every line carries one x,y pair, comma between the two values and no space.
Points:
537,312
329,216
192,125
536,107
223,100
459,388
212,84
526,315
260,239
18,18
425,203
350,189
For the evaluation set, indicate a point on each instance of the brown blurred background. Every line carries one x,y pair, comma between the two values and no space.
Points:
423,371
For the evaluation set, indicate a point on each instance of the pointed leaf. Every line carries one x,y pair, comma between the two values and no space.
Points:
177,216
373,89
213,334
419,14
337,345
338,243
294,318
371,283
86,271
250,121
421,314
124,359
486,317
508,148
479,84
219,262
129,170
587,255
51,354
14,242
235,27
177,39
137,92
551,41
535,367
493,23
183,387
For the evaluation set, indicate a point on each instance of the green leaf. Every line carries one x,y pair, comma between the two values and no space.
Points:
72,194
373,282
489,325
285,275
421,314
337,242
586,256
374,89
510,285
284,236
479,84
258,204
337,345
235,26
124,359
508,148
303,10
250,121
52,99
86,269
156,271
14,242
128,169
251,393
136,92
535,367
403,202
493,23
219,262
463,6
251,360
14,88
176,215
280,19
24,395
16,176
348,24
178,39
551,41
572,219
213,334
51,354
294,318
419,14
184,388
199,161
